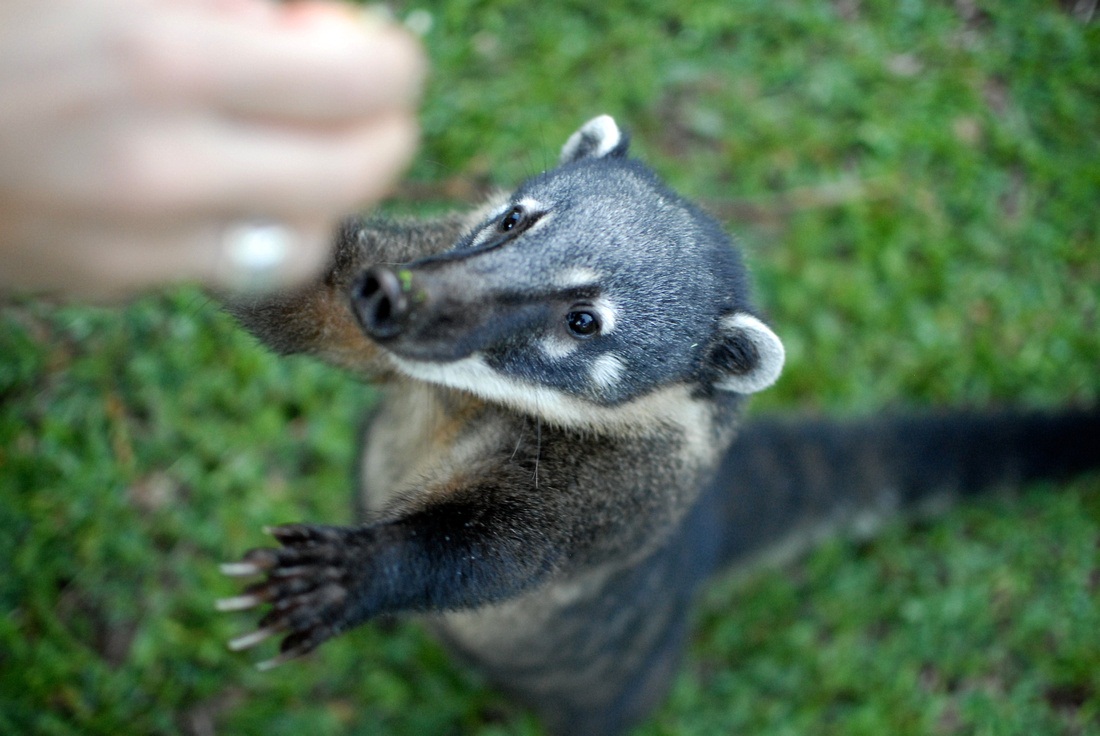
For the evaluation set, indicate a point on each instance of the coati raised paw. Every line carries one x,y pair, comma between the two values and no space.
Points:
315,585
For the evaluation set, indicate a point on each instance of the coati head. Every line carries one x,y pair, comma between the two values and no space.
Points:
591,286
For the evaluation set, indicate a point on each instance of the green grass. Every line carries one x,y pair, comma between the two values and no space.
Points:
915,184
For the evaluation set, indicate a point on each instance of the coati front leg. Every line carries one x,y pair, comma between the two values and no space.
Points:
479,544
537,505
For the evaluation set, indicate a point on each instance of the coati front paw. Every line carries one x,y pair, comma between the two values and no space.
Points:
312,583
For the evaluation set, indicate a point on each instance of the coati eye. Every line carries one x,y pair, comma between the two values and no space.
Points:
506,227
512,219
582,323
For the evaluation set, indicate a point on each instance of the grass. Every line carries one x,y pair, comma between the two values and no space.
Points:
915,184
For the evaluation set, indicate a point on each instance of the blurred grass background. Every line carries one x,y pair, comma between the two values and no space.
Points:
916,185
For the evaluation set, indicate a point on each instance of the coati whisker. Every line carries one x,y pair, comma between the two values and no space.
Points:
538,448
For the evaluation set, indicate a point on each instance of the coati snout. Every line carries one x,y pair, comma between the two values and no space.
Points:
430,311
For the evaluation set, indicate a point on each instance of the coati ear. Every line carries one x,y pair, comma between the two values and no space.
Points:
747,356
597,138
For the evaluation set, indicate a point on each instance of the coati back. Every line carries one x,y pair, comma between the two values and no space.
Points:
549,475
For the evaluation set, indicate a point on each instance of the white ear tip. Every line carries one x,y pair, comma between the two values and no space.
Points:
595,139
605,124
769,350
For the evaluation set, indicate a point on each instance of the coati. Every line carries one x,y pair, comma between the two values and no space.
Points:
553,469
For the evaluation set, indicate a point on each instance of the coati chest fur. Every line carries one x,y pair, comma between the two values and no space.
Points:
548,477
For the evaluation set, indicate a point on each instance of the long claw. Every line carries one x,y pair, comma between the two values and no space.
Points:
239,603
253,638
240,569
304,583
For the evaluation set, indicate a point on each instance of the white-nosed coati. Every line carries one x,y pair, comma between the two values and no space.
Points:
552,471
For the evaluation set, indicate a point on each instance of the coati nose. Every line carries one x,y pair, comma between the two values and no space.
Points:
381,301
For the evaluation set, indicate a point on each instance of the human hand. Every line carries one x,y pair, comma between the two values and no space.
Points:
135,133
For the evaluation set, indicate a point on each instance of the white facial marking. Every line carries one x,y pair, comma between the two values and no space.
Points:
556,347
606,370
474,375
608,314
530,205
576,277
671,405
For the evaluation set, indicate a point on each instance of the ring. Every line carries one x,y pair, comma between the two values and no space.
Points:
253,254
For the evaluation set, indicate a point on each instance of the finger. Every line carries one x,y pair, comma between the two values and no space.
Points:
105,262
332,70
196,170
310,80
